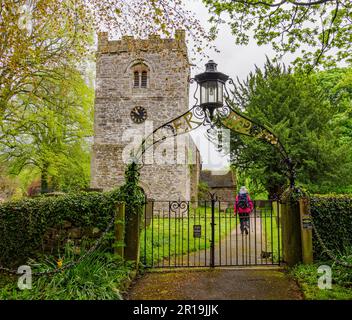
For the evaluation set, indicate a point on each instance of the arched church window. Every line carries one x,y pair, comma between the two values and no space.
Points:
140,75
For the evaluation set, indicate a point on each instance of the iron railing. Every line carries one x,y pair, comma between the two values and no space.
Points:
208,234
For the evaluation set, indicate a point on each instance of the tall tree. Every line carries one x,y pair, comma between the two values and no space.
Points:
300,113
337,84
320,29
40,37
48,133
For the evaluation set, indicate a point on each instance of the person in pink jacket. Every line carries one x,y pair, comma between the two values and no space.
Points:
243,207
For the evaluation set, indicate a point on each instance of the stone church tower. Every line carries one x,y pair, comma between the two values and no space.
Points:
140,85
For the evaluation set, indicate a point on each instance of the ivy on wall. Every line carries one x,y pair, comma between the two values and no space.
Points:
24,223
332,215
131,193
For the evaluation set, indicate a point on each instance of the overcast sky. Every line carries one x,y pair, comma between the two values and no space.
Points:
235,61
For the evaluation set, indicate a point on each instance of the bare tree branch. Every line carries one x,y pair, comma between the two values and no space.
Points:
296,3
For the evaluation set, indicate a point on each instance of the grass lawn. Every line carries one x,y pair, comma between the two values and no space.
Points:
307,276
271,232
174,237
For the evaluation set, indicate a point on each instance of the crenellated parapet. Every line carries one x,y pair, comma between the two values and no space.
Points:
154,43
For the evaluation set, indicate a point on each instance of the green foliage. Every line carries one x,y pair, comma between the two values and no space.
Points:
48,134
299,112
332,215
97,277
41,39
253,185
74,173
337,84
23,223
9,188
203,191
316,31
131,193
307,277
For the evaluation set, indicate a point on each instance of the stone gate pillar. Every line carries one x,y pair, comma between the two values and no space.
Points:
291,231
132,237
306,233
133,228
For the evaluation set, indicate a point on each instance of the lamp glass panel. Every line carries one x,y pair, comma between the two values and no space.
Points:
212,92
220,92
203,93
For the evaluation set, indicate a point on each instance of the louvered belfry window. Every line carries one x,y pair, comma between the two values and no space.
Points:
140,76
144,81
136,79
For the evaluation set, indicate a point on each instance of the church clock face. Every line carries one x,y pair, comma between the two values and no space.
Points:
138,114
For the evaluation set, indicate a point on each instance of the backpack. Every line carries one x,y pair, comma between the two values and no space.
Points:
243,202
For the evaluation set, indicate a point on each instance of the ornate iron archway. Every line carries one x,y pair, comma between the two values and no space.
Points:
214,110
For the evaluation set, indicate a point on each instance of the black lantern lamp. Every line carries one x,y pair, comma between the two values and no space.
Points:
211,84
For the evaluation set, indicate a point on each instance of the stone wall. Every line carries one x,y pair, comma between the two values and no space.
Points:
195,169
227,196
222,184
166,96
57,237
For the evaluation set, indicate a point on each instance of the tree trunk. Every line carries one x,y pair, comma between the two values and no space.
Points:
274,191
54,184
44,179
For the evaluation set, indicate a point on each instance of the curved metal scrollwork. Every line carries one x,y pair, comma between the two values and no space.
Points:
224,116
191,81
185,123
240,124
178,207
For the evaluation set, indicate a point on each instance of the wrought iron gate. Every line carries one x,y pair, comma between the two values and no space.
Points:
208,234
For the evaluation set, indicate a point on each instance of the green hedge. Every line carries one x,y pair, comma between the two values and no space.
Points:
332,215
23,223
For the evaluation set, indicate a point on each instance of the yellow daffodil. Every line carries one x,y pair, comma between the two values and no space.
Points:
59,263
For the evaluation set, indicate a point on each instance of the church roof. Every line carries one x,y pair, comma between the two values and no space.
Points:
216,179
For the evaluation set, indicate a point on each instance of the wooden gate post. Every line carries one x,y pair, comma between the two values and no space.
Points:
120,230
306,233
291,231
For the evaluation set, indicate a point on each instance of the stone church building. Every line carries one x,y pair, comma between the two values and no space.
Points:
140,85
223,185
